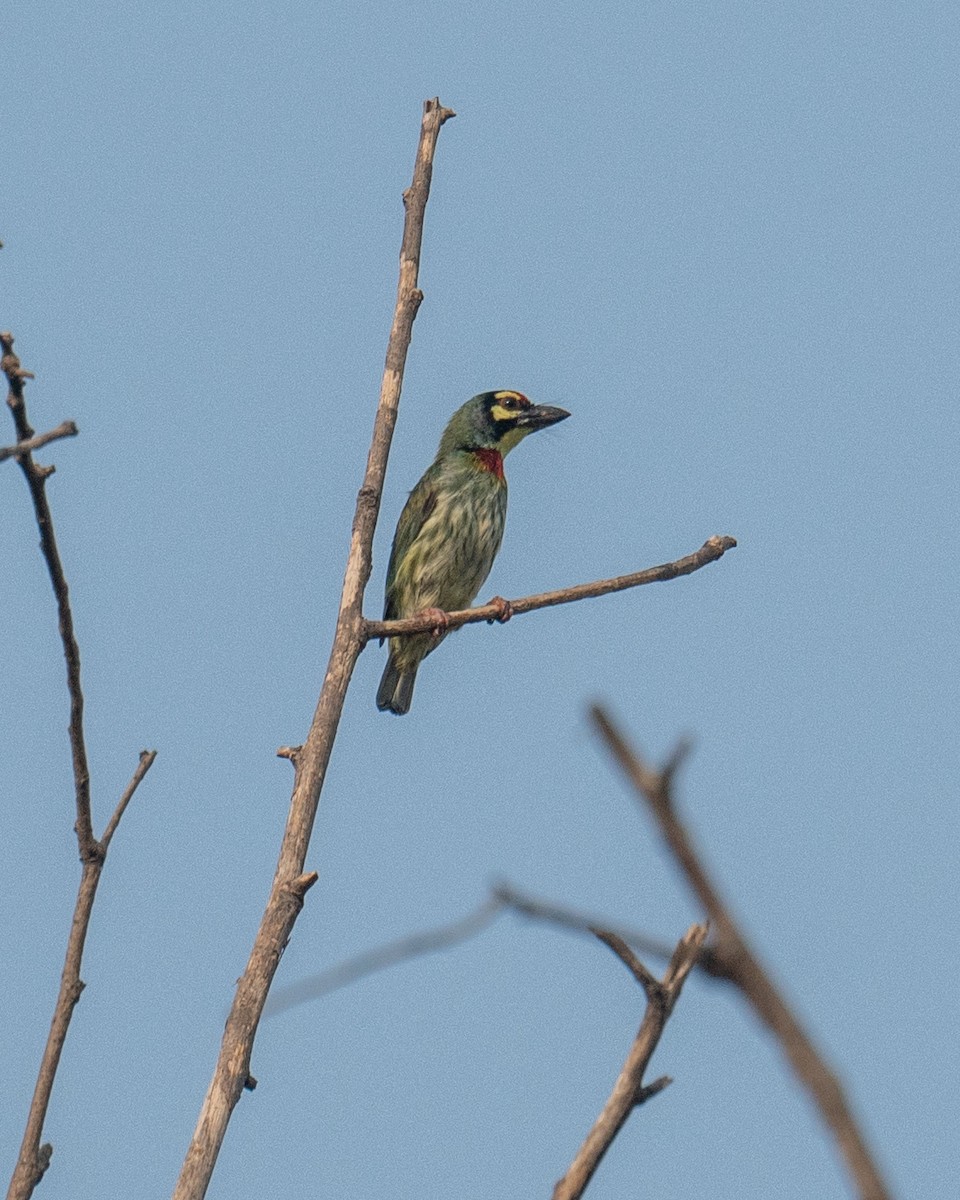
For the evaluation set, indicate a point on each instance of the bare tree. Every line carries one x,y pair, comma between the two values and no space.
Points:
353,631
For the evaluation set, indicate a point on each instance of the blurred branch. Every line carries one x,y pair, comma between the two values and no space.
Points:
503,897
311,759
33,1158
709,552
63,430
737,962
629,1091
568,918
428,941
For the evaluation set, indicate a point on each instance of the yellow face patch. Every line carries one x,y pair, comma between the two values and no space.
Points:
512,403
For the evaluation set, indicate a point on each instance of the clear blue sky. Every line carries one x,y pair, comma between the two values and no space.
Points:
725,237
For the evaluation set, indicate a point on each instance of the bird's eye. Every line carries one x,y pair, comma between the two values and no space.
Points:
510,404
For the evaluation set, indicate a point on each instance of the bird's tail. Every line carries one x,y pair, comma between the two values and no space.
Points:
396,689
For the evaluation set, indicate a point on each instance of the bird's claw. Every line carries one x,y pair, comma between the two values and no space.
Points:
504,610
439,619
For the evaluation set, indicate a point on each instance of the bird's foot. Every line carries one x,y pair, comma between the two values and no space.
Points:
439,619
504,610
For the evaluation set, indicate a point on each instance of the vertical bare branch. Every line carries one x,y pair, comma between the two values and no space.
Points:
310,760
736,961
629,1091
36,477
33,1158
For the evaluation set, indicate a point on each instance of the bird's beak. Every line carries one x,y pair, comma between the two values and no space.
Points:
539,416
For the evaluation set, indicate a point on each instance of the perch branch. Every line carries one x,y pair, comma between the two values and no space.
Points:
629,1090
33,1159
737,962
311,759
709,552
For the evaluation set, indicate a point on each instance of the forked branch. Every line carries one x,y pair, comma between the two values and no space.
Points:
33,1158
734,960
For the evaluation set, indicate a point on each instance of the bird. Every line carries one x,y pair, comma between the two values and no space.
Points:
450,528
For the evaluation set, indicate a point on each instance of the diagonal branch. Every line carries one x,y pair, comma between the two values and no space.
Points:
647,980
629,1091
33,1158
311,759
709,552
737,962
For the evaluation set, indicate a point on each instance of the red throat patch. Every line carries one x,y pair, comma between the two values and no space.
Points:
492,461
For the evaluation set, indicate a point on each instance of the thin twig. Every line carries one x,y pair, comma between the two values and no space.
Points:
415,945
629,1089
740,965
64,430
311,760
709,552
33,1159
146,762
647,980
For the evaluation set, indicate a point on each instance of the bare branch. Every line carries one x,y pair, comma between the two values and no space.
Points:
709,552
427,941
310,761
33,1158
737,962
629,1089
63,430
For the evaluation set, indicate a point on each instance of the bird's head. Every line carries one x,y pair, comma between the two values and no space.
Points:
496,421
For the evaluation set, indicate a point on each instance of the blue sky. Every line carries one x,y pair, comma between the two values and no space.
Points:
725,237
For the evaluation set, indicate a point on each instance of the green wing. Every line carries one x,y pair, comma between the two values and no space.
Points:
420,504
